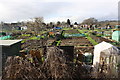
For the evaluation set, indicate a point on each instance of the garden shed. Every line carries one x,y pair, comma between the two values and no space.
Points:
116,36
10,48
106,59
68,51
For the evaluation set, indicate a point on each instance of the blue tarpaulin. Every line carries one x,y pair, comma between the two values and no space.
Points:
57,28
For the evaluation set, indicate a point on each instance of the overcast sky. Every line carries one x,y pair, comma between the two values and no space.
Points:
58,10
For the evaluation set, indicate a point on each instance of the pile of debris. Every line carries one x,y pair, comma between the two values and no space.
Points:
53,67
18,68
55,64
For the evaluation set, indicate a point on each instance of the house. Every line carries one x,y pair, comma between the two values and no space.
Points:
20,27
75,25
23,27
6,26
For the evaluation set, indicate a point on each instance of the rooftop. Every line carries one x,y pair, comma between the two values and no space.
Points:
8,42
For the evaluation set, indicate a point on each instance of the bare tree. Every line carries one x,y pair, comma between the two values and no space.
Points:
58,23
90,21
36,24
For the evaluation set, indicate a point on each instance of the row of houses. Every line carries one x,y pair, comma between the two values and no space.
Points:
13,26
20,26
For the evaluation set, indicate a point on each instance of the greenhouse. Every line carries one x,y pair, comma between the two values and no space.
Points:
104,56
116,36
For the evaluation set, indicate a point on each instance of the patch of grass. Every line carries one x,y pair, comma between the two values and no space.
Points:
58,42
81,31
25,34
23,41
92,40
66,29
88,37
34,38
99,35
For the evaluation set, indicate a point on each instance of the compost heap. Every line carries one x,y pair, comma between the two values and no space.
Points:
54,67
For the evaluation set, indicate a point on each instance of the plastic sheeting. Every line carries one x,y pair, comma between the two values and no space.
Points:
116,36
117,26
105,48
74,35
5,37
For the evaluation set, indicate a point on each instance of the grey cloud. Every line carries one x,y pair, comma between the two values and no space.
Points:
26,9
29,10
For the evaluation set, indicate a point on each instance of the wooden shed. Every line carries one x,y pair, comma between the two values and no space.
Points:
68,51
10,48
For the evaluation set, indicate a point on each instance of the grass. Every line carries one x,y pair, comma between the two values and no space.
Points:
99,35
25,34
23,41
34,38
58,42
31,38
92,40
66,29
88,37
81,31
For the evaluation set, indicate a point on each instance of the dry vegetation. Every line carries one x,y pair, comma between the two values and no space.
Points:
55,66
